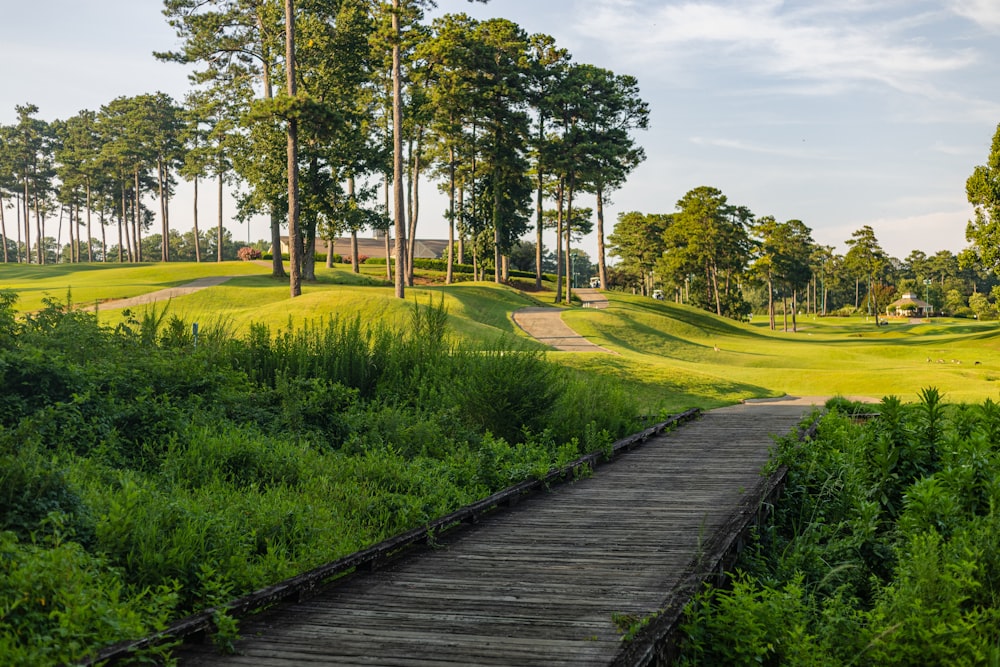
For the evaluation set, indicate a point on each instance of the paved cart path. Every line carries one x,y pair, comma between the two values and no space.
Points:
163,294
546,325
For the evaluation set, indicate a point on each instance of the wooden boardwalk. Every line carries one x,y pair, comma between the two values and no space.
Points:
540,583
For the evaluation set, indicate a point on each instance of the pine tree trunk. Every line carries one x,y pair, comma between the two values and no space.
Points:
449,271
90,238
136,234
559,232
461,224
164,235
39,231
3,230
497,269
355,263
414,211
218,226
104,238
122,220
795,308
569,234
602,267
27,226
397,148
197,234
294,236
386,237
19,206
770,300
539,209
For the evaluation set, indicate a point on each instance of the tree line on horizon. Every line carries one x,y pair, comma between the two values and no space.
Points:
720,257
325,117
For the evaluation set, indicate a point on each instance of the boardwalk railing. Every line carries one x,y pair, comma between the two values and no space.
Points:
302,586
656,643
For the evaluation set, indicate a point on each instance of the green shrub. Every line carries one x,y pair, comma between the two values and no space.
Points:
60,602
889,530
172,476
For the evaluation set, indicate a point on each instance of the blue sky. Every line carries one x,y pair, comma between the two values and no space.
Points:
841,114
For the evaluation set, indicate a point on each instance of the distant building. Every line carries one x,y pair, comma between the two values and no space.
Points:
423,248
909,306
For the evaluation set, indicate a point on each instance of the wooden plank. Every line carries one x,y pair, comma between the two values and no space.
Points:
538,584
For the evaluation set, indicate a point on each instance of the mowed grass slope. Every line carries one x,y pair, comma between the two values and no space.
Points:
88,284
826,356
670,356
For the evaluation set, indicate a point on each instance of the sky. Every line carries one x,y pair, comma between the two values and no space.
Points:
840,114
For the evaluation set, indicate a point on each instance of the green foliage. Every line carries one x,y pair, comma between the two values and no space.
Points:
143,476
57,601
882,551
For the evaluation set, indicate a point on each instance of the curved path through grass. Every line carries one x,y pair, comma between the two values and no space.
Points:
546,325
164,294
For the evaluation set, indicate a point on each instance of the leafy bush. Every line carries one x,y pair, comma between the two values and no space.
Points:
143,477
60,601
883,550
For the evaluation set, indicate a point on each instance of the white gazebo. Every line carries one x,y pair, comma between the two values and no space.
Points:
909,306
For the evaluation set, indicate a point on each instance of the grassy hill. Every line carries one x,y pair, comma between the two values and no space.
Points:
670,356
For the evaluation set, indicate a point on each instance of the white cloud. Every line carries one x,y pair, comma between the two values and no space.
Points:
739,145
952,149
983,12
899,235
842,46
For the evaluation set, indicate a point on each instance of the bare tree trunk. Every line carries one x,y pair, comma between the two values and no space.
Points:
164,224
497,269
385,237
770,301
59,251
19,205
90,241
449,272
461,224
414,210
104,238
136,234
27,225
539,211
397,148
294,237
355,263
197,234
3,230
218,228
122,220
39,231
76,234
795,308
713,275
329,253
602,267
559,233
569,234
90,245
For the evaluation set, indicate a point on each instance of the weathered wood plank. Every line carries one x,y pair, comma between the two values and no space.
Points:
538,584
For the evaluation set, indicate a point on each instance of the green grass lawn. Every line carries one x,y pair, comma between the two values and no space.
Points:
671,356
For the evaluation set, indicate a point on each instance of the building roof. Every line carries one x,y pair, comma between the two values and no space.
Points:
422,248
908,300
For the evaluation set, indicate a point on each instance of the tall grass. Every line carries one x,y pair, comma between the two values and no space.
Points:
173,472
883,549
